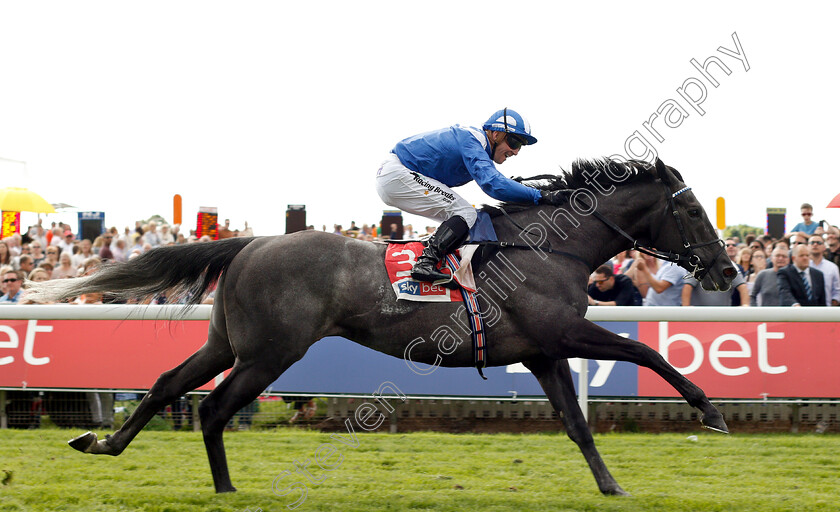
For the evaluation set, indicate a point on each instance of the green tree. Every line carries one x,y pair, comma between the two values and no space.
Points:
741,231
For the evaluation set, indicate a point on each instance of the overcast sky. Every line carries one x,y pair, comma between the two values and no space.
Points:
251,106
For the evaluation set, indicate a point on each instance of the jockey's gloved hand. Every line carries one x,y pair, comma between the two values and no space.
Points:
553,197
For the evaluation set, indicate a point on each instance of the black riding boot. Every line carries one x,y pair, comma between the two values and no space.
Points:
446,239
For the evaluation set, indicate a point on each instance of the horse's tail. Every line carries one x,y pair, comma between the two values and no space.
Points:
180,271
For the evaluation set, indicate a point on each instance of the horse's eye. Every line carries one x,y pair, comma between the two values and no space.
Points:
694,213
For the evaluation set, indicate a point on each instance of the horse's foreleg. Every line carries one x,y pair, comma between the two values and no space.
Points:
589,341
556,380
206,363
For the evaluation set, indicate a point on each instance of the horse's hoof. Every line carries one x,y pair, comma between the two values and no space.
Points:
715,422
84,443
616,491
90,443
226,489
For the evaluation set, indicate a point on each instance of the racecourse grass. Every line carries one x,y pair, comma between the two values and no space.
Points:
168,471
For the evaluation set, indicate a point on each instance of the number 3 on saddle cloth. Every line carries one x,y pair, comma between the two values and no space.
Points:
400,258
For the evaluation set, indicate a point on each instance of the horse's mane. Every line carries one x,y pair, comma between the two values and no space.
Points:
638,170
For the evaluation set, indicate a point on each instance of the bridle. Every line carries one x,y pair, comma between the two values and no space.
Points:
687,259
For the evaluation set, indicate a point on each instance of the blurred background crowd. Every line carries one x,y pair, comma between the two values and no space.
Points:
630,278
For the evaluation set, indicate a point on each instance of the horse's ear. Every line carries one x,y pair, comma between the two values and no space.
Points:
662,171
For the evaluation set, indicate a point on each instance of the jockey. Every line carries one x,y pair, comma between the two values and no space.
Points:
417,176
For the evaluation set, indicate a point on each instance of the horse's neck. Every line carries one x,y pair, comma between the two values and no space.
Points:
585,236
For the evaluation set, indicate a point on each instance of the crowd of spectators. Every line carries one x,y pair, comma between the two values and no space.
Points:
809,255
629,279
42,254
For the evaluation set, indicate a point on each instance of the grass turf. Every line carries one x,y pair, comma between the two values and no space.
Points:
168,471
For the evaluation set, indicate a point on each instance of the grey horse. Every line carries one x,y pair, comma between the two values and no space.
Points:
278,295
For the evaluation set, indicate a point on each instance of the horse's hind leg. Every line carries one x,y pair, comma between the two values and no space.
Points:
210,360
587,340
556,380
244,384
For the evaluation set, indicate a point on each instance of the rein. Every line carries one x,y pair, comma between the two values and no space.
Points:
514,245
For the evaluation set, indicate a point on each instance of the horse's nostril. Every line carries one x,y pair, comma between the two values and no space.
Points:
729,272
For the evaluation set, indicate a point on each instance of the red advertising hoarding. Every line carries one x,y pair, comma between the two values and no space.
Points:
726,359
100,354
746,359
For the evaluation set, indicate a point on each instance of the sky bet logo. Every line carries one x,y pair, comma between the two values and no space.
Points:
420,288
411,287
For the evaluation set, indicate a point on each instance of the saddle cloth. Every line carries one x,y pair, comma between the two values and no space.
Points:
400,258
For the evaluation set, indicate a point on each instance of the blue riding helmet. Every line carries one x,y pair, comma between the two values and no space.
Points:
509,121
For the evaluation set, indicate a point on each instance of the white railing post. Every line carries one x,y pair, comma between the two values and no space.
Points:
583,388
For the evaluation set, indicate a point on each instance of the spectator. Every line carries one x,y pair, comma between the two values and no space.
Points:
106,253
665,286
732,252
90,266
784,244
38,275
808,226
65,244
25,264
608,289
765,289
767,242
757,263
636,275
353,230
14,243
25,250
136,245
831,274
694,295
35,252
52,256
65,268
38,233
12,280
832,251
5,253
128,237
47,266
166,236
743,259
395,235
622,262
797,239
85,252
799,284
3,270
758,244
409,233
151,236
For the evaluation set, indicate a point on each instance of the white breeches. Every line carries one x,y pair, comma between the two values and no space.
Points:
402,188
